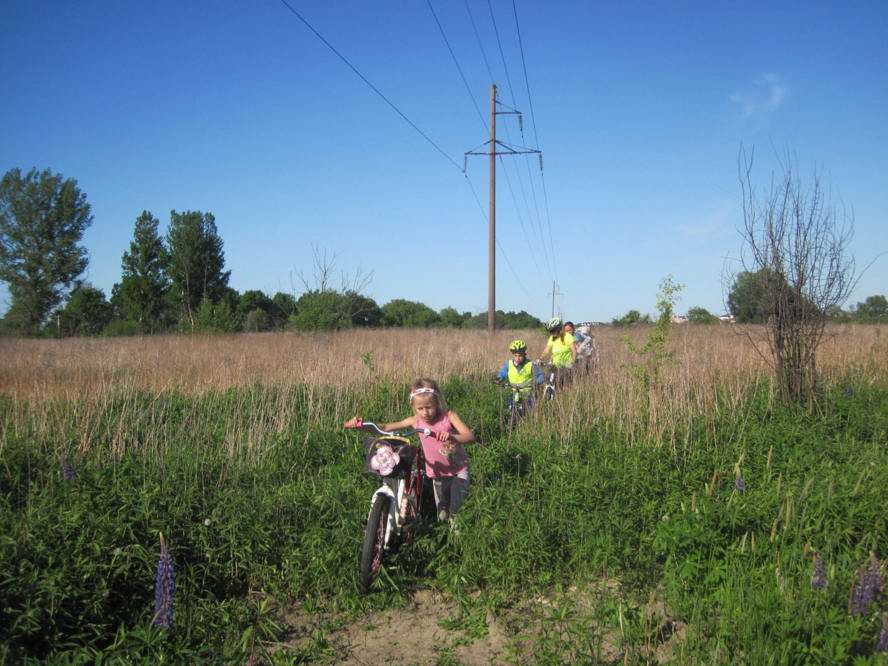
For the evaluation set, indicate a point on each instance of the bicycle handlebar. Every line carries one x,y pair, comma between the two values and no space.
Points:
369,426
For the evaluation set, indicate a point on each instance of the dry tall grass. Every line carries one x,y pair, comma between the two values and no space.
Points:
712,370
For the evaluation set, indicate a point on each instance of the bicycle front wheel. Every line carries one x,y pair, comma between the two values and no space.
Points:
374,541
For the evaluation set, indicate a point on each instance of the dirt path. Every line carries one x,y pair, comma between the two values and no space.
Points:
432,629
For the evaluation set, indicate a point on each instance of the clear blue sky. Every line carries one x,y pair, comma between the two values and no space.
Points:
236,108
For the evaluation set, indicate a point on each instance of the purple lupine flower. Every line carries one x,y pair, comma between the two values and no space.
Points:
164,584
866,586
882,645
818,575
68,472
739,483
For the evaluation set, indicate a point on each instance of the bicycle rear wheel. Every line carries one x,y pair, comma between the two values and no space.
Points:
374,541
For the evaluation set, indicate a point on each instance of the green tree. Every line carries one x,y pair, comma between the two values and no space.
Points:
196,261
87,312
873,310
450,318
631,318
700,315
363,310
521,320
42,220
141,294
322,311
284,308
253,299
748,299
401,312
217,317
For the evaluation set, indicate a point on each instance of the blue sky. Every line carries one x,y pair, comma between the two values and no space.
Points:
640,109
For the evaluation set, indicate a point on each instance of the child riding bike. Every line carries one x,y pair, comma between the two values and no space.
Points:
562,347
521,374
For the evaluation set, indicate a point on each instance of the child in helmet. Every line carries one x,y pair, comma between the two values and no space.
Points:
563,348
561,345
519,371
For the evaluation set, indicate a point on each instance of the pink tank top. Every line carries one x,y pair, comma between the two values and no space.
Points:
437,464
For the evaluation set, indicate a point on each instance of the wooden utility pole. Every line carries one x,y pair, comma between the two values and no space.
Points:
492,153
491,225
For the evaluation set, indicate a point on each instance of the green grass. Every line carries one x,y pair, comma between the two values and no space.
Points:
280,519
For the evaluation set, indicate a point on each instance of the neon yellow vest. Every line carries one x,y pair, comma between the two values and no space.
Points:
522,375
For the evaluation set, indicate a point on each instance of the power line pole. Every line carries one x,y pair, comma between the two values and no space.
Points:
491,224
555,292
492,154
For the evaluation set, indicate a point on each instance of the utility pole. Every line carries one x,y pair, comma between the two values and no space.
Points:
491,223
492,154
555,292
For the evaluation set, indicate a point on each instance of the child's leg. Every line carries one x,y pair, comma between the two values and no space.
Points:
442,497
459,490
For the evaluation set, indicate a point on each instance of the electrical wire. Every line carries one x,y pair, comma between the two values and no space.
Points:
533,121
367,81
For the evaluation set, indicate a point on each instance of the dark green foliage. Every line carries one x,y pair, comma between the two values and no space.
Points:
701,316
401,312
631,318
751,299
450,318
196,261
87,312
141,294
284,307
42,219
322,311
217,317
364,310
874,310
504,320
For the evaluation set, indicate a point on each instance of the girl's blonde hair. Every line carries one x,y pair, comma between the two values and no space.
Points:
426,383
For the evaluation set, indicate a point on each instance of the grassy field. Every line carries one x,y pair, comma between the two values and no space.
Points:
663,510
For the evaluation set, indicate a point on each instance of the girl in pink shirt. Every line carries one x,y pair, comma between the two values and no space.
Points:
446,461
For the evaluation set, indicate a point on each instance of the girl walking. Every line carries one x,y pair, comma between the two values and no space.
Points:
446,460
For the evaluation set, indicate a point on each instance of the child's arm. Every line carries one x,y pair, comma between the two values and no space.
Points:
462,435
409,422
504,371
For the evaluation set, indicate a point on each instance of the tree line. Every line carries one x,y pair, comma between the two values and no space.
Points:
175,282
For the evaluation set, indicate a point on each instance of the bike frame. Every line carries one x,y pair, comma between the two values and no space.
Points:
405,493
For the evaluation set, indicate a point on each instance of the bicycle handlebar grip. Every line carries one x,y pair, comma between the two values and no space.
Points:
359,423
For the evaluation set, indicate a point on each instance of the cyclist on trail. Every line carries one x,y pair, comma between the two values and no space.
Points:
446,461
586,353
562,347
519,371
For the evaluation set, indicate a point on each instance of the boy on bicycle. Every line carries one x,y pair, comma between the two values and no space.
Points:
520,372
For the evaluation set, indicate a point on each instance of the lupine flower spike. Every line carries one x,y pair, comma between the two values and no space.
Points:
866,586
739,483
68,472
164,584
882,645
818,574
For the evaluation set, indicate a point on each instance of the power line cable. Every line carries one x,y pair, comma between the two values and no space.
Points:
478,39
456,62
547,251
367,81
486,128
533,121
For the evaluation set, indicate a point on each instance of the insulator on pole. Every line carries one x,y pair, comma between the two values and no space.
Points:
541,162
521,123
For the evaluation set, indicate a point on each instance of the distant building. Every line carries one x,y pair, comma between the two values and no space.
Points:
727,318
679,319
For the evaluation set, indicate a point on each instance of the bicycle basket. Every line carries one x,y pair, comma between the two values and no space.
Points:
390,457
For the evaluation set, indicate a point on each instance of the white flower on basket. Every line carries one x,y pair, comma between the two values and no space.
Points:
384,460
